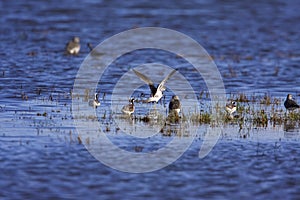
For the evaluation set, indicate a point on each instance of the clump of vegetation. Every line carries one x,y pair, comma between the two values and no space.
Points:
44,114
202,118
252,111
24,96
79,140
294,116
242,98
86,94
266,100
173,117
276,119
145,119
261,119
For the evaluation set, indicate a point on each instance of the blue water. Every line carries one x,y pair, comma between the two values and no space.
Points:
254,44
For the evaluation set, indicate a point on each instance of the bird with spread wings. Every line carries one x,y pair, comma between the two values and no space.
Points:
156,92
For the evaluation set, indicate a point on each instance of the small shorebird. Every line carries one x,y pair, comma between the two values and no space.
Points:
96,101
174,105
129,109
90,46
156,92
73,46
290,104
230,108
93,51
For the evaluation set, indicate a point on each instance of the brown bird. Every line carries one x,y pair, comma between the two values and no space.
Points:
73,47
129,109
174,104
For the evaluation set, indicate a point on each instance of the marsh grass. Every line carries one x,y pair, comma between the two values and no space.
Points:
293,116
259,110
253,111
201,118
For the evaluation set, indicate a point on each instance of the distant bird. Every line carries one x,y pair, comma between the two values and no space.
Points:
156,92
93,51
129,109
96,101
290,104
230,108
174,105
73,47
90,46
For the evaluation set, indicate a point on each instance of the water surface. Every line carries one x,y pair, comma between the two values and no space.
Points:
255,46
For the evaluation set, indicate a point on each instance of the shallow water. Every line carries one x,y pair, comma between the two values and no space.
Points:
254,45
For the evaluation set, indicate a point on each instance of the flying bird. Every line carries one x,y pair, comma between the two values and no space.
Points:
156,92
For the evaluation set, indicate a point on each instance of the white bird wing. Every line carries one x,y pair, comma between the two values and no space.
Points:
163,82
143,77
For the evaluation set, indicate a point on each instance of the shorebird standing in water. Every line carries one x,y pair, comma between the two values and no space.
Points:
96,101
290,104
129,109
90,46
73,47
156,92
174,105
174,109
230,108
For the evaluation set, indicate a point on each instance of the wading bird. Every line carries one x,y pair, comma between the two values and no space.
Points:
290,104
230,108
73,47
129,109
174,105
96,101
90,46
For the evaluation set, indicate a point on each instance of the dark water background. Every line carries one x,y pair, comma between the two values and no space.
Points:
254,44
